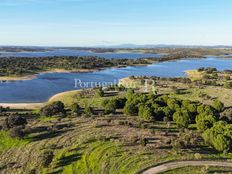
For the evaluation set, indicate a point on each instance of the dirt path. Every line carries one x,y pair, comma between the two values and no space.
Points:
179,164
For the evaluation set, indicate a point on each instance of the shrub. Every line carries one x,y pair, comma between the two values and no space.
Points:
99,92
130,109
129,94
144,141
227,77
2,109
228,85
54,108
75,108
16,132
88,111
14,121
110,107
219,106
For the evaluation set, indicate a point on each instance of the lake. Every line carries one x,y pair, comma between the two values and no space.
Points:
46,85
69,52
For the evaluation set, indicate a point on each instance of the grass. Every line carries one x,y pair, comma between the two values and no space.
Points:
214,92
70,97
200,170
7,142
105,157
194,74
91,147
45,119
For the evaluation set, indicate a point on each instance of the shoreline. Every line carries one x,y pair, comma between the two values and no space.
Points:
40,104
33,76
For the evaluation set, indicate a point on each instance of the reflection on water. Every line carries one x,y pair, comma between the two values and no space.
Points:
48,84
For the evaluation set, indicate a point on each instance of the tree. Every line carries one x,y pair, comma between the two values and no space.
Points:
219,136
88,111
100,92
129,94
221,143
145,113
76,109
173,104
204,121
54,108
110,107
120,102
130,109
182,118
17,132
218,105
14,121
161,112
205,109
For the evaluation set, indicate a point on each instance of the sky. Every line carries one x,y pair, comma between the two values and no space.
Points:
113,22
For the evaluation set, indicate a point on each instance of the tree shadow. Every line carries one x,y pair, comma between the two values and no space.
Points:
47,135
68,160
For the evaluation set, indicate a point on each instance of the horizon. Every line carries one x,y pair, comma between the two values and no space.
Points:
123,45
92,23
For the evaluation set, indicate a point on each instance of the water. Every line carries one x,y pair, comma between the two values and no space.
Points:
69,52
46,85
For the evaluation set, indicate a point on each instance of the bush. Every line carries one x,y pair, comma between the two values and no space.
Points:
16,132
54,108
219,106
2,109
228,85
129,94
227,77
46,158
130,109
99,92
110,107
88,111
14,121
75,108
144,141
